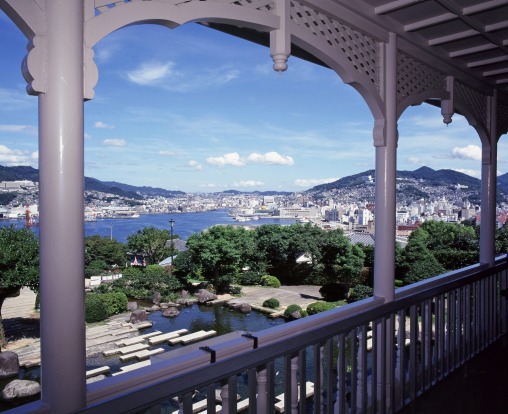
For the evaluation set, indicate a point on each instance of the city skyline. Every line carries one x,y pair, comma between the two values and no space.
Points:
196,110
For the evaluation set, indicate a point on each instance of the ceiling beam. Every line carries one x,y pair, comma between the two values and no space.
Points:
452,37
394,5
431,21
471,50
488,5
484,62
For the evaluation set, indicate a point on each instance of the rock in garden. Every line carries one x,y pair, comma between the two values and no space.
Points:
184,294
138,316
9,364
204,295
19,389
156,298
155,308
132,306
244,308
171,312
296,315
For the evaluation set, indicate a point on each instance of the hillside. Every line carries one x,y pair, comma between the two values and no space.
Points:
91,184
430,176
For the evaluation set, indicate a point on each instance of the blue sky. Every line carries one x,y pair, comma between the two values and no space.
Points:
196,110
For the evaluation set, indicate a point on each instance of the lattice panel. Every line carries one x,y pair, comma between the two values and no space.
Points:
502,118
362,51
102,6
414,77
262,5
476,100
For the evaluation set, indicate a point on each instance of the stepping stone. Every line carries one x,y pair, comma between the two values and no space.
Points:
166,337
142,325
97,371
126,349
142,354
132,367
196,336
137,339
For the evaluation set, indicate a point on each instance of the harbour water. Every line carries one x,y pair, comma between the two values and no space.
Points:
185,224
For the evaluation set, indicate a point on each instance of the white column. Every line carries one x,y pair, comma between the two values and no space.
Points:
488,203
385,141
61,210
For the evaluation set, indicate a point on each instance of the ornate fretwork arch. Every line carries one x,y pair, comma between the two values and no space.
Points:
417,82
355,55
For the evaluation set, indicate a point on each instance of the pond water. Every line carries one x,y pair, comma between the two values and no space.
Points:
194,318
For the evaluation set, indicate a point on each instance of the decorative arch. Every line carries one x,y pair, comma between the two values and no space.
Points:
110,19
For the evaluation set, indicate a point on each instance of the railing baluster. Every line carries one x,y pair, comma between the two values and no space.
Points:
353,352
302,373
318,379
262,400
467,322
210,398
362,400
413,329
340,402
327,361
400,375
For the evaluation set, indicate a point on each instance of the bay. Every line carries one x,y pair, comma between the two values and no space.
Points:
185,224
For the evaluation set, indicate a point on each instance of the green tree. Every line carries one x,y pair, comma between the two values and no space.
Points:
341,262
150,243
143,283
221,252
502,240
106,250
19,264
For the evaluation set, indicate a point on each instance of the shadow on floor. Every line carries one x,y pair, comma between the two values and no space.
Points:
479,387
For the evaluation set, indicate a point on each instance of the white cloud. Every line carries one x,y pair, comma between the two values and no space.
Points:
28,129
469,152
88,136
195,165
166,153
472,173
166,76
151,73
210,185
10,156
14,100
311,182
115,142
415,160
234,159
272,158
102,125
248,183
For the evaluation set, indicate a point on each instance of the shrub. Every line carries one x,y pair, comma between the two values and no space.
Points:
332,292
235,290
95,308
288,313
271,303
360,292
270,281
249,278
116,302
318,307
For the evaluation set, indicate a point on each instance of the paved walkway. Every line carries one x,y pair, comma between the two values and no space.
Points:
21,306
286,295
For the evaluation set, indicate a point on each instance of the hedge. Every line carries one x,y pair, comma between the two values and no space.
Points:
95,308
271,303
270,281
317,307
